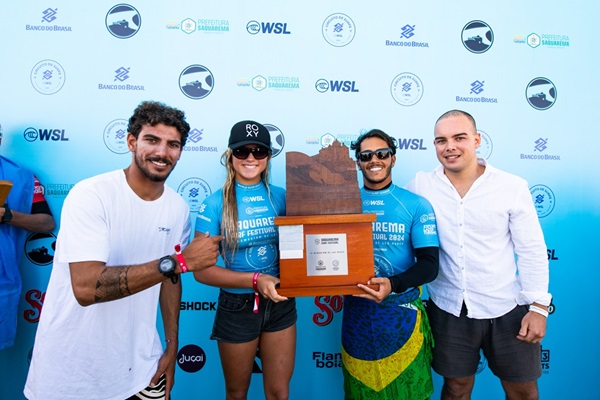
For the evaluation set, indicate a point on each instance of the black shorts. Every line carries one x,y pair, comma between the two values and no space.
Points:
236,322
459,339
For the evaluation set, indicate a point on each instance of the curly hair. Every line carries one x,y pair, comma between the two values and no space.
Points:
153,113
376,133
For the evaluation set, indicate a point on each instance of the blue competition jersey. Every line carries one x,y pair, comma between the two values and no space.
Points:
404,221
258,244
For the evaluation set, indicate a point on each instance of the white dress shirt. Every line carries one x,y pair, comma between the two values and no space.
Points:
492,250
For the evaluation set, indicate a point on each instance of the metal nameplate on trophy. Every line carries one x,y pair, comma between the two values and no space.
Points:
325,241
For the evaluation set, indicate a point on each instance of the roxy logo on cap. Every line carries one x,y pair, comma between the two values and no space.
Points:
251,130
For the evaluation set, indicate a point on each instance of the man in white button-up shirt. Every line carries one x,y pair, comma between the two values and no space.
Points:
492,289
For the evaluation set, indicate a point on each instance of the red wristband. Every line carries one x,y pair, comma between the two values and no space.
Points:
255,287
180,258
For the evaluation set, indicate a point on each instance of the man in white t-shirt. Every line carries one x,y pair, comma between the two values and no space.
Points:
484,297
115,260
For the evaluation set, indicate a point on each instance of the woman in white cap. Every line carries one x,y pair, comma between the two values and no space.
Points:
252,318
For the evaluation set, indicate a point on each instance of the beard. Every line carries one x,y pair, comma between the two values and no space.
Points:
365,172
154,177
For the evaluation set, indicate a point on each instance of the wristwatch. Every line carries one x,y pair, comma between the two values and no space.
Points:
166,266
8,216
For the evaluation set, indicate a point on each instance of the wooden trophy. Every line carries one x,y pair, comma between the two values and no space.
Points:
325,241
5,187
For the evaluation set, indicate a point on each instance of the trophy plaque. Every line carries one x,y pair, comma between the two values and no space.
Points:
325,241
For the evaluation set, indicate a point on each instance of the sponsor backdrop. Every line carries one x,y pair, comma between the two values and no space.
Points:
312,72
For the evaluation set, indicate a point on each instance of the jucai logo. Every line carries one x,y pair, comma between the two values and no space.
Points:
123,21
541,93
191,358
196,82
477,37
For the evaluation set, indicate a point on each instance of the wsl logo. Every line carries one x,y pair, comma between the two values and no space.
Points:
323,85
194,191
476,89
56,135
485,146
411,144
277,139
407,89
477,37
191,358
115,136
123,21
196,82
338,30
543,200
541,93
39,248
47,77
276,28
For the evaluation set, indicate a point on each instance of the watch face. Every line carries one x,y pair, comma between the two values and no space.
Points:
166,265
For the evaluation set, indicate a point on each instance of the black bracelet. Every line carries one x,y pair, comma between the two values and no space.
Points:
8,216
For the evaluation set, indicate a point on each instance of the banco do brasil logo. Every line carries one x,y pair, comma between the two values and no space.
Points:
196,82
123,21
541,93
477,37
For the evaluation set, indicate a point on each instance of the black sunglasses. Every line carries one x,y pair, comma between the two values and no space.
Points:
259,153
381,154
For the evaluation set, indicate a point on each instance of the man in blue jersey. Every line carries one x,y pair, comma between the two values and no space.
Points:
386,338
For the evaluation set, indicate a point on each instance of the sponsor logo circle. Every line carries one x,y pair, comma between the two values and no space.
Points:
253,27
115,136
327,139
191,358
196,81
407,89
383,267
39,248
543,200
541,93
477,37
322,85
338,30
123,21
194,191
260,256
277,139
485,146
47,77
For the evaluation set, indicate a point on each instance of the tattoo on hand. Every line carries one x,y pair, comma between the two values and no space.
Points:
112,284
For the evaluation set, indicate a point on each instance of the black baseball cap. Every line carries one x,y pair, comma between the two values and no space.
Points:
249,132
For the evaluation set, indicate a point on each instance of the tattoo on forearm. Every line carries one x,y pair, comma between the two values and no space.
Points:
112,284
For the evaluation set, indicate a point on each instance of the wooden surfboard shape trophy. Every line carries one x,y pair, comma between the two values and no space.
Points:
325,241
